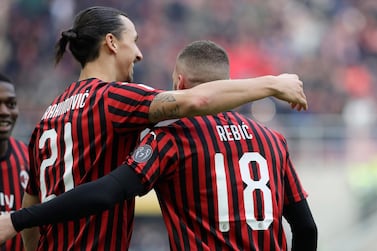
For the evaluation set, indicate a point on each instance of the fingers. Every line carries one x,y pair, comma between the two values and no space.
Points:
292,91
295,106
299,107
302,104
305,102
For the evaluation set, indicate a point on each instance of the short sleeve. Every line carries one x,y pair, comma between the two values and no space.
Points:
154,158
294,191
128,105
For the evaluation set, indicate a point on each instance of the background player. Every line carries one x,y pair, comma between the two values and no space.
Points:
90,127
223,182
14,160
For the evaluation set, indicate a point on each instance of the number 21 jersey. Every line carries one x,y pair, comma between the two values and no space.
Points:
83,135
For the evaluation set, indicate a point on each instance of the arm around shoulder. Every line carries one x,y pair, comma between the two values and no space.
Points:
222,95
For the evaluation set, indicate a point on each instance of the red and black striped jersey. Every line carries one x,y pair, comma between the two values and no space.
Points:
14,177
222,182
85,133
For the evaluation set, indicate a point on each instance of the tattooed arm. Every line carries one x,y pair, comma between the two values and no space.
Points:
165,106
222,95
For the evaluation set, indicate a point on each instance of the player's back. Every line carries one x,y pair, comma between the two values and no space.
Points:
228,186
83,135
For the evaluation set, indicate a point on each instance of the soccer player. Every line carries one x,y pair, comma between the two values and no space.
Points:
89,128
224,181
14,160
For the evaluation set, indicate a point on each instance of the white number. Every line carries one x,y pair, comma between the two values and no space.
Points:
251,186
46,163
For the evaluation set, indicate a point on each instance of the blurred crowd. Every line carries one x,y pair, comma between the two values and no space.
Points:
331,44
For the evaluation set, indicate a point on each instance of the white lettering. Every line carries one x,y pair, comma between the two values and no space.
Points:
72,103
245,130
83,99
75,101
52,111
57,110
7,200
233,132
46,112
241,131
68,103
221,133
228,133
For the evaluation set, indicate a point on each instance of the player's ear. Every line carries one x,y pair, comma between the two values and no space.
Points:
182,82
111,42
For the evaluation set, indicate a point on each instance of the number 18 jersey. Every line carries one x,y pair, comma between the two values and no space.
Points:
222,182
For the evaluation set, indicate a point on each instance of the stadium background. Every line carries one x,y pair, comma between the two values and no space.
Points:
331,44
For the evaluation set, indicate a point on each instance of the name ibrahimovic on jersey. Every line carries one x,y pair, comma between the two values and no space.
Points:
233,132
76,101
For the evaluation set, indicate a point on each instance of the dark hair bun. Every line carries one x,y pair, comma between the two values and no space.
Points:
70,34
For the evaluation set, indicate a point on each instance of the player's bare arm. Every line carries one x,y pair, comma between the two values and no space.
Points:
30,236
222,95
164,106
7,230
